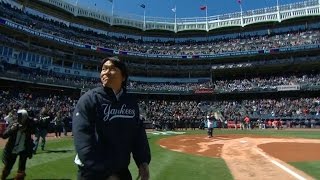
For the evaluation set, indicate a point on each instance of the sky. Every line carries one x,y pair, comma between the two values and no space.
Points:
184,8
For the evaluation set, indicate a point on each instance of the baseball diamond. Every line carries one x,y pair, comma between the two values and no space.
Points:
251,156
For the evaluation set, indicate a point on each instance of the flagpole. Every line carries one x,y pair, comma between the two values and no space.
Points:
112,12
278,11
144,19
207,29
76,9
319,4
241,14
175,18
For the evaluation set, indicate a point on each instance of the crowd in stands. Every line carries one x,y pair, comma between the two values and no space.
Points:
219,45
258,108
171,87
50,77
180,114
265,83
221,86
246,114
12,100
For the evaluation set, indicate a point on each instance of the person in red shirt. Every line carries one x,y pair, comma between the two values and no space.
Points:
247,122
269,123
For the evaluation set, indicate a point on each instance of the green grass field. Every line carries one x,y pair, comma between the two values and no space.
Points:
56,162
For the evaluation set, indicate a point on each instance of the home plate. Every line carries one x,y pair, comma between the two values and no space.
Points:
243,141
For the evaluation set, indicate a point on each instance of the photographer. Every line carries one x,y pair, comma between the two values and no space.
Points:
19,144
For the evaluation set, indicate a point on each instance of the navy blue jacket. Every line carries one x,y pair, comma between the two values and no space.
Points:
106,131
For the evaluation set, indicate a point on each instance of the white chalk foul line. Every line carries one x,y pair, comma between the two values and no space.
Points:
281,166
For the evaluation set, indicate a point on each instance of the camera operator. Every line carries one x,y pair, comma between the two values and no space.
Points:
19,143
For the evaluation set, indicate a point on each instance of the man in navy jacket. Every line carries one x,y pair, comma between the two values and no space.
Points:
107,128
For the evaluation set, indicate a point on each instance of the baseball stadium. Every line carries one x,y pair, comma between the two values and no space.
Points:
251,76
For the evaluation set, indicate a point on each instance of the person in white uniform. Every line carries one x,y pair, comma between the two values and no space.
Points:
210,126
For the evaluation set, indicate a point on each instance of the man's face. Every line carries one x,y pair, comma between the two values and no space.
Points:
21,118
111,76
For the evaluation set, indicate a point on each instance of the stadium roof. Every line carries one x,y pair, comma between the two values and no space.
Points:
183,9
185,26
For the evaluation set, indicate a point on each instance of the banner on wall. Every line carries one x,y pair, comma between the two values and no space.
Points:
288,88
204,91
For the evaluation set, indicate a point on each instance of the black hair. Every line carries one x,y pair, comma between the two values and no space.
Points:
119,64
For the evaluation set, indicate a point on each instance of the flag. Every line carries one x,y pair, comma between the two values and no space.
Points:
174,9
143,6
203,7
110,1
239,1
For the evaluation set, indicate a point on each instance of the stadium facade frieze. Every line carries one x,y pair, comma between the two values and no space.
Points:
241,19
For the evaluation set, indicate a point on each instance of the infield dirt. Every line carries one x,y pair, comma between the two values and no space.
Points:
250,157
